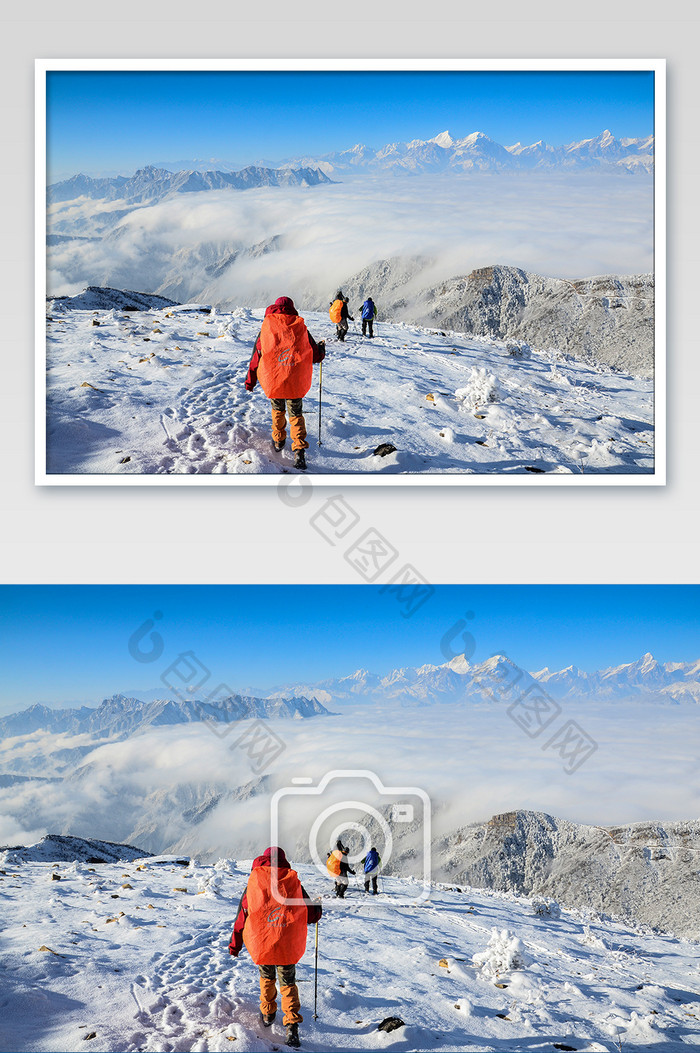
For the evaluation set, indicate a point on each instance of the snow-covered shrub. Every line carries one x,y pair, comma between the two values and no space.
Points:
226,865
589,939
482,387
518,349
546,908
504,952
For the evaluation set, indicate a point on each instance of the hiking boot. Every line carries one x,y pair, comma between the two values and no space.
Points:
279,445
268,1019
300,460
293,1036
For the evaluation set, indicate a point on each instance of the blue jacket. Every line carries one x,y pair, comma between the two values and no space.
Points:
371,861
368,309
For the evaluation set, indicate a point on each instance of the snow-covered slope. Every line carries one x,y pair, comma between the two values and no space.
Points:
646,872
57,848
134,957
161,393
607,318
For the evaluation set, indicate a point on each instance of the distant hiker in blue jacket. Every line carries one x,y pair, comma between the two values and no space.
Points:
369,313
372,864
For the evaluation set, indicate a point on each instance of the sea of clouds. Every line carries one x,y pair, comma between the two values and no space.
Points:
472,760
556,224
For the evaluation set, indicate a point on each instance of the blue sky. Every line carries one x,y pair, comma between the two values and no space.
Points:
105,122
64,643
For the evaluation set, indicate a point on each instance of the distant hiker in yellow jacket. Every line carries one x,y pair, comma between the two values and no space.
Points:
339,314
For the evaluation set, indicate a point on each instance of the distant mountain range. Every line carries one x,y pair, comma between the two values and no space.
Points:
477,152
455,681
474,153
119,717
150,185
459,680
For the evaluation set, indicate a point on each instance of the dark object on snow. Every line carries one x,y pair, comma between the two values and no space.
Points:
561,1045
268,1019
95,322
539,471
384,448
125,460
300,460
391,1023
293,1036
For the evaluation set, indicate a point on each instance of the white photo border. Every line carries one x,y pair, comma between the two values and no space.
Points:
656,66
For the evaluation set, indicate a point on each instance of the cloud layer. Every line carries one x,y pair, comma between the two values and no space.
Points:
176,787
558,225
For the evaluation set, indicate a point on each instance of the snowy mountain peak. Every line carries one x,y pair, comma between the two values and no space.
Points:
444,139
459,664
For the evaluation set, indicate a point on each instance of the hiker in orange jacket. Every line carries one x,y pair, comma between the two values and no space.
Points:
339,314
274,932
338,866
283,359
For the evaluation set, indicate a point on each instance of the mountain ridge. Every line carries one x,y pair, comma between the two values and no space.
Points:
458,678
478,152
119,716
149,185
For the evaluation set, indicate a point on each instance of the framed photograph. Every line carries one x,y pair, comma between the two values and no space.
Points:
372,272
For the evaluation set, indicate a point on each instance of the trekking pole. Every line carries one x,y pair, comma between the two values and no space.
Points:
316,975
320,391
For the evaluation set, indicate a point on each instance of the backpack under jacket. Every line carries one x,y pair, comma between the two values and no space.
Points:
333,862
275,932
286,357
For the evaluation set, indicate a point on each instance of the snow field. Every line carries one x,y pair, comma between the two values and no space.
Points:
133,956
161,392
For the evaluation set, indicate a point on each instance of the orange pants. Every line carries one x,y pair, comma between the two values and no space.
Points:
297,424
288,991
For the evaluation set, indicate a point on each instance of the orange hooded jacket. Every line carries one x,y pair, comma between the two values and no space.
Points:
284,353
274,933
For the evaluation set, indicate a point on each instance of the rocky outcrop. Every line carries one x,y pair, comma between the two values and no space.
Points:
606,318
645,872
58,848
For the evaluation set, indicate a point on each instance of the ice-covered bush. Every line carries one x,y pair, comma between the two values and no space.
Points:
482,387
518,349
546,908
504,952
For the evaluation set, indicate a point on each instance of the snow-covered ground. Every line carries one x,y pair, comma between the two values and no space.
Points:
133,956
161,393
